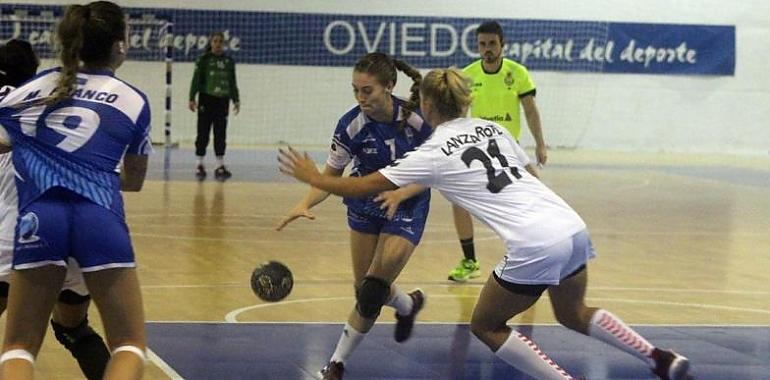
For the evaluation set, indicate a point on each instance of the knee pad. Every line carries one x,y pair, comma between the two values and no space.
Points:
86,345
371,296
69,337
68,297
132,349
17,354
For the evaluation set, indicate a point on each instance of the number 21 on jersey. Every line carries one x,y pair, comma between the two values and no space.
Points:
496,181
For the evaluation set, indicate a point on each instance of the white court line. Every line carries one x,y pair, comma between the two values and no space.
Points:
430,241
442,228
674,290
167,369
279,241
480,284
232,317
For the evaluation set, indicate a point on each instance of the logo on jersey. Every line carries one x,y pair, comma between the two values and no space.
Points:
508,79
28,225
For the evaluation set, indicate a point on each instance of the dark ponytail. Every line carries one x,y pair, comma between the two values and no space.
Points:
414,92
70,34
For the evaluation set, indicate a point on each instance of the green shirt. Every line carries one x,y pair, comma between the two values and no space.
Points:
215,76
496,95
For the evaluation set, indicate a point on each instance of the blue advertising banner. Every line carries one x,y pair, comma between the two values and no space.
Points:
338,40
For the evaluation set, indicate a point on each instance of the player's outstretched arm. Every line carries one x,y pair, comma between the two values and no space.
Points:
300,166
314,196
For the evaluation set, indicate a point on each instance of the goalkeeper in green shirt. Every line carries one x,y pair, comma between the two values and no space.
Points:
500,85
214,83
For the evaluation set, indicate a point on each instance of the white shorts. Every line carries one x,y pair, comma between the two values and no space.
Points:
73,281
547,266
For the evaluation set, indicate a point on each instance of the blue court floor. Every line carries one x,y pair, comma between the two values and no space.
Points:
440,351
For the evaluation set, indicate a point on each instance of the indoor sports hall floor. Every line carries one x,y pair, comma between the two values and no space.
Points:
684,255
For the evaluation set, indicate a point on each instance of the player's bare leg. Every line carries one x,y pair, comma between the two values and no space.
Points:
495,307
377,261
117,294
30,301
568,300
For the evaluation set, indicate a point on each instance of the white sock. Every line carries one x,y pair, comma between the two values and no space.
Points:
348,342
221,160
611,330
401,301
200,160
523,354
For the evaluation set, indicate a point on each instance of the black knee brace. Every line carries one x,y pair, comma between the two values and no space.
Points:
86,346
371,296
71,298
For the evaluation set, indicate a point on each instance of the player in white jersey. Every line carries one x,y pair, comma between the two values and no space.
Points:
72,129
477,165
18,63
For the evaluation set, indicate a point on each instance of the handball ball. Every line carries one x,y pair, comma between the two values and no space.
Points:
272,281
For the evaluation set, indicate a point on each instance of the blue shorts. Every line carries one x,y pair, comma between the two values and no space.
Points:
61,224
408,228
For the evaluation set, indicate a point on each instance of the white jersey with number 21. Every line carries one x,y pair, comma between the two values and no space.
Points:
477,165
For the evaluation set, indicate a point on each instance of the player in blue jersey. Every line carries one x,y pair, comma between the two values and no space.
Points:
18,63
71,128
372,135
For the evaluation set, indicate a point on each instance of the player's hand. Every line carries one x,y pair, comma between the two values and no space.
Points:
236,107
193,105
390,201
296,164
296,213
542,155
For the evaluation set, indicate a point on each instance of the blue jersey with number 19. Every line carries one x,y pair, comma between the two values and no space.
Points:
78,143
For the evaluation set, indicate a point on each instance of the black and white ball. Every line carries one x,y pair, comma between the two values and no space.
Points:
272,281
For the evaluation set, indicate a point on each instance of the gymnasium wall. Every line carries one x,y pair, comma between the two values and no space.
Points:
584,110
